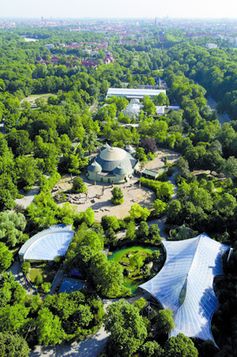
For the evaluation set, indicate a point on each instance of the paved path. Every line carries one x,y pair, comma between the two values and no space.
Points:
28,197
90,347
15,269
161,224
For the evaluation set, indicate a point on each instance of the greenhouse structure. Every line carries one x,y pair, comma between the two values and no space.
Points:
185,284
48,244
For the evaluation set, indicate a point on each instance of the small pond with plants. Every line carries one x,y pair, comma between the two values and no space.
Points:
139,263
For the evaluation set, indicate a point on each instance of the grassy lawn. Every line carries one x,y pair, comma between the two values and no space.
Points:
137,264
32,98
46,270
33,273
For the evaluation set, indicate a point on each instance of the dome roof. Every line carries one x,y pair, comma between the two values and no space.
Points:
112,153
112,157
120,171
95,167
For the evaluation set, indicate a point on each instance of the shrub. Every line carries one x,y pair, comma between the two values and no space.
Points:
25,267
46,287
117,196
163,190
79,186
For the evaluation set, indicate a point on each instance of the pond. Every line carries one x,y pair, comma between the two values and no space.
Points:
139,263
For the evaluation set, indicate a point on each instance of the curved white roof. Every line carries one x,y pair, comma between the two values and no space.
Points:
113,154
48,244
185,284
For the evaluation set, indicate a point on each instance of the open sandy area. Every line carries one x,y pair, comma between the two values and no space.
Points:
99,197
159,161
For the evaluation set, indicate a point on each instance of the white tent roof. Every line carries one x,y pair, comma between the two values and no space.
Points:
185,284
48,244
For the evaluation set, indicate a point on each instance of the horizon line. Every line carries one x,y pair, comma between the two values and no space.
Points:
166,17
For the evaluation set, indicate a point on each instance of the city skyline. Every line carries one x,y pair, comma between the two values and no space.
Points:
121,9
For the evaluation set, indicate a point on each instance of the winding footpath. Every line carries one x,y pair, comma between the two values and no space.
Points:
15,269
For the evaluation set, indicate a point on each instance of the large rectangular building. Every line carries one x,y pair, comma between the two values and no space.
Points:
134,93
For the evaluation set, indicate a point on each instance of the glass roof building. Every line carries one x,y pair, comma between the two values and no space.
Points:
48,244
136,93
185,284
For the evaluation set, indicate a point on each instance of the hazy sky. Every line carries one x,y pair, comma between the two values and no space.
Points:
118,8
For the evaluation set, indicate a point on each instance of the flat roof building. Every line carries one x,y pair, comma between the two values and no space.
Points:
134,93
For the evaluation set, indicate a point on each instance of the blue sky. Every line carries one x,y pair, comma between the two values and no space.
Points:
118,8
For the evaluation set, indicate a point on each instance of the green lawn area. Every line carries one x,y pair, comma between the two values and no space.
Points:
32,98
137,263
46,270
33,273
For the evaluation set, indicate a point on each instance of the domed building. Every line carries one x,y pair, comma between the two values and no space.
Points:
113,165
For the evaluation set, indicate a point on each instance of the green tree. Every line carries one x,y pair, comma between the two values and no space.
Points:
49,329
131,230
117,196
13,345
226,205
27,172
154,233
89,216
107,276
165,321
143,230
180,345
159,207
127,328
26,267
12,226
13,318
19,142
79,186
138,212
8,192
152,349
148,106
43,210
110,222
161,99
6,257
